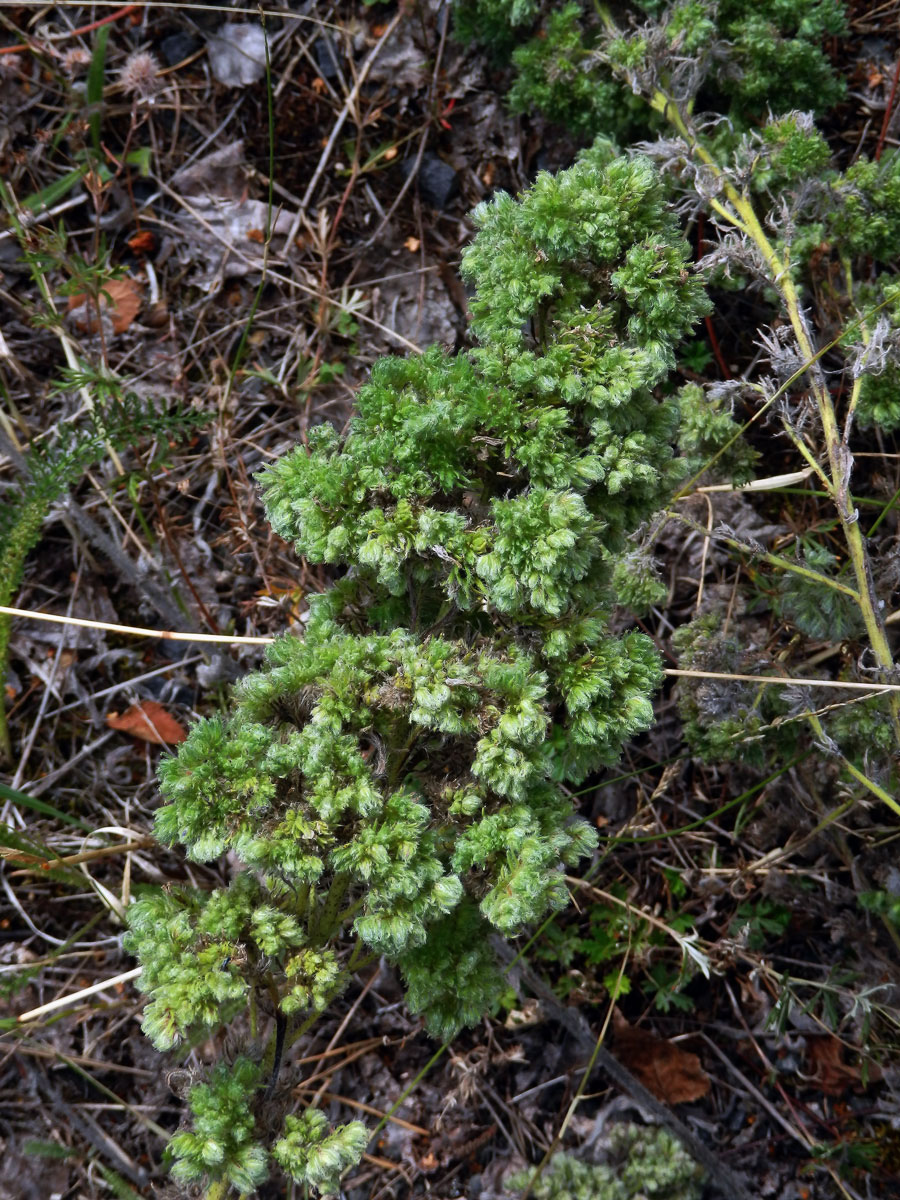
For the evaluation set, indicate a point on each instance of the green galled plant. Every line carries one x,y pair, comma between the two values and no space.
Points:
741,58
644,1161
782,218
391,783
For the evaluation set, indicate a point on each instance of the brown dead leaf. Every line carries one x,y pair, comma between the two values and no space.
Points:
673,1075
150,722
19,856
828,1070
119,298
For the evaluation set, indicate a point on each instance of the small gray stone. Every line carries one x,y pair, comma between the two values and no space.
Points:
437,181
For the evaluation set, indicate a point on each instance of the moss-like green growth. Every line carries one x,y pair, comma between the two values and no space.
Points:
710,438
558,77
744,60
865,206
879,399
646,1163
391,780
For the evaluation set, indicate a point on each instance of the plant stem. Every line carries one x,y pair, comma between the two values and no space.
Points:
294,1035
323,919
272,1060
775,560
860,776
742,216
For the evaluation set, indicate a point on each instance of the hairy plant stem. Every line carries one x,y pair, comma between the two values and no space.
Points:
775,560
6,754
860,776
742,216
274,1053
294,1035
856,389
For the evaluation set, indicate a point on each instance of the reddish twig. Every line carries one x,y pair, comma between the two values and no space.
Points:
888,112
116,16
710,330
716,348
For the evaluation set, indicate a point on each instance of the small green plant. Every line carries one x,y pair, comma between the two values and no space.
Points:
722,718
110,417
850,1157
397,781
51,467
644,1162
391,782
611,932
742,59
760,922
710,439
886,904
879,399
819,611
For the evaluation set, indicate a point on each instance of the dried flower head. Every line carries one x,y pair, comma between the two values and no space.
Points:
781,348
140,75
76,60
871,357
11,65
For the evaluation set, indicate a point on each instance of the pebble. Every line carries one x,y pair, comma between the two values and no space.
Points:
438,182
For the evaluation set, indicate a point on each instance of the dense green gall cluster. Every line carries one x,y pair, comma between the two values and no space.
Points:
646,1163
390,782
501,481
222,1143
710,439
867,199
496,24
745,59
879,400
556,75
314,1155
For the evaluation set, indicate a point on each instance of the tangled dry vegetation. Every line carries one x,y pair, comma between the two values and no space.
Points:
209,237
